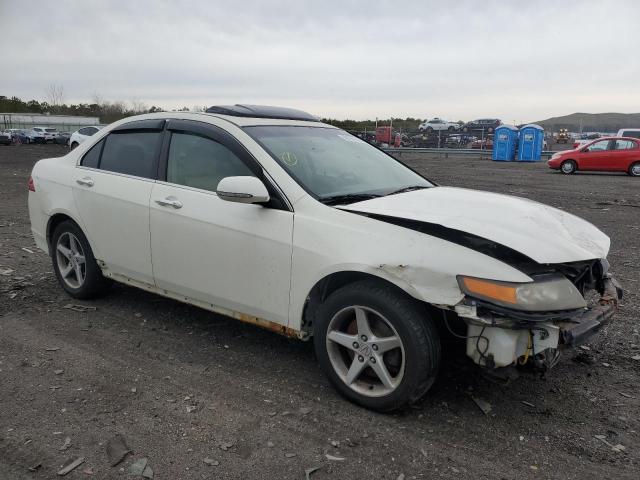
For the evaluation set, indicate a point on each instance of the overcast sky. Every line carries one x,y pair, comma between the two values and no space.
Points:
519,61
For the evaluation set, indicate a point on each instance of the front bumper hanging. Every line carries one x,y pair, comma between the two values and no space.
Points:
581,327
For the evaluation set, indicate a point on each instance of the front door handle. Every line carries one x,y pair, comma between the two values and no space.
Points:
86,181
170,202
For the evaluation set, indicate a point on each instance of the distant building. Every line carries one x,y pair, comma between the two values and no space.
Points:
63,123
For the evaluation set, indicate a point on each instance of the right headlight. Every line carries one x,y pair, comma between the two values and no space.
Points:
545,293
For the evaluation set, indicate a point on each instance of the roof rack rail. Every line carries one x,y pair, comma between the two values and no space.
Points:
262,111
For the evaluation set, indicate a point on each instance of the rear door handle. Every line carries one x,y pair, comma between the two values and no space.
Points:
86,181
170,202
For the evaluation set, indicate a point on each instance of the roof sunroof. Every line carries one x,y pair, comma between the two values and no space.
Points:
262,111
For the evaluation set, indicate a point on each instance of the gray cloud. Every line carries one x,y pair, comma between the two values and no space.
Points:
459,60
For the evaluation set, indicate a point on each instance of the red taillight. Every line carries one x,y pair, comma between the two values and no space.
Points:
31,184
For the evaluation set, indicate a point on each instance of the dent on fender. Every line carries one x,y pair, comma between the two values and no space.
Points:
412,279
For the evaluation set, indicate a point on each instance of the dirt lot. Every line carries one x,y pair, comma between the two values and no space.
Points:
138,363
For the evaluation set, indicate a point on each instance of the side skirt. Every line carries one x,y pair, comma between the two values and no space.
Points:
243,317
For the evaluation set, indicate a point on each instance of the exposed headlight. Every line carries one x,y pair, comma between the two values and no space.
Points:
546,293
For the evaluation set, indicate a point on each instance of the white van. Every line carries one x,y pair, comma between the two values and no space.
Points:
629,132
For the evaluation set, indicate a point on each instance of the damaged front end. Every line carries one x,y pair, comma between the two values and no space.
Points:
527,324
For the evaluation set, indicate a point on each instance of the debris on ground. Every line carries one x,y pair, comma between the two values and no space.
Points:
635,357
304,410
528,404
483,405
60,371
70,465
28,250
88,471
333,458
6,271
616,448
309,471
289,455
224,446
79,308
116,450
140,468
51,349
626,395
211,462
66,444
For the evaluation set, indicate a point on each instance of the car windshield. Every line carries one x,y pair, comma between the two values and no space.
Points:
330,163
50,130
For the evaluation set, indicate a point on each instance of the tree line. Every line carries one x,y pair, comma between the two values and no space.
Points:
108,111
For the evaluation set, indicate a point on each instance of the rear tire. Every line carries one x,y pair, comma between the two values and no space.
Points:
568,167
634,169
74,264
377,346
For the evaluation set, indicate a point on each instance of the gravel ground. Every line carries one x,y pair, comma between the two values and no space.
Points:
182,385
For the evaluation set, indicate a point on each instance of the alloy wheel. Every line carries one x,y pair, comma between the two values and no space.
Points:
365,351
71,260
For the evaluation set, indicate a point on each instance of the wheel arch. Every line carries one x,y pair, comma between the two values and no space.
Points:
56,219
333,281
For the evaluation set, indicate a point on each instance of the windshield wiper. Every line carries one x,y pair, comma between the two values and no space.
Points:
407,189
347,198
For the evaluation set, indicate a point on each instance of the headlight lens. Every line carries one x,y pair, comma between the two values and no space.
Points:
545,293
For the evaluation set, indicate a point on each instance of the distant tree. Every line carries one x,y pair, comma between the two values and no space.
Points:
138,106
55,97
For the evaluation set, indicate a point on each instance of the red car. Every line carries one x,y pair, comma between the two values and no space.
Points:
609,154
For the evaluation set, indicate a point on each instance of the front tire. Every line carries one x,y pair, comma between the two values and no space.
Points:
634,169
568,167
377,346
74,264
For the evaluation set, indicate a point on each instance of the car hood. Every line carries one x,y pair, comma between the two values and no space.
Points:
542,233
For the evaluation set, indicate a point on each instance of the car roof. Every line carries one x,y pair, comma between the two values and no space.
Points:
235,120
262,111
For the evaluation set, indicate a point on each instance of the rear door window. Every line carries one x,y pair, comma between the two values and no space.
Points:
91,159
131,153
624,145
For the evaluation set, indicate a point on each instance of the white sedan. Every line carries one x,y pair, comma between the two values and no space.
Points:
438,124
81,135
268,216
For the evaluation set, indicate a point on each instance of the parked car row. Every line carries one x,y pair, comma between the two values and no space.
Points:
487,125
47,134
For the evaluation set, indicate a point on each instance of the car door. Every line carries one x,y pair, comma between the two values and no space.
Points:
594,156
622,153
227,255
112,187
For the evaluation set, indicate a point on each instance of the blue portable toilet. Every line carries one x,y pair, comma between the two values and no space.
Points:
505,143
530,143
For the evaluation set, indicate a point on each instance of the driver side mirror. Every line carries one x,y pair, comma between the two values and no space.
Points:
242,190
